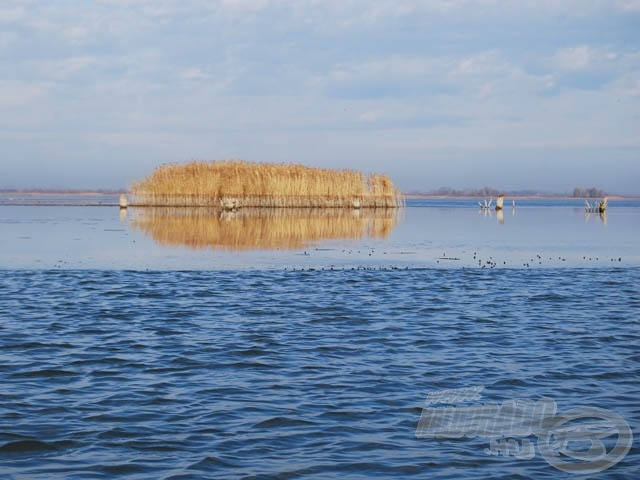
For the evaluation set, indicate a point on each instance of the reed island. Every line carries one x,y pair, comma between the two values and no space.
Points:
233,184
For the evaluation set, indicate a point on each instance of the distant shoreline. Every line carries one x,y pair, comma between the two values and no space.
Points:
66,193
414,196
418,196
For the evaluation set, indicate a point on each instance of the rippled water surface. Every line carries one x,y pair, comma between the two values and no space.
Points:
234,374
165,345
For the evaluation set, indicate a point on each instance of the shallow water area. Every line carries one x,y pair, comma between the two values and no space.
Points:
433,233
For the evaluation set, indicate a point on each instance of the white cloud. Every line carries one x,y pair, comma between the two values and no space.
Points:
479,76
586,57
629,5
591,67
11,15
74,65
20,94
575,58
245,6
56,70
371,116
77,34
7,39
485,64
194,74
486,91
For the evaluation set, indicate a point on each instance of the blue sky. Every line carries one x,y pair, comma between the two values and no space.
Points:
540,94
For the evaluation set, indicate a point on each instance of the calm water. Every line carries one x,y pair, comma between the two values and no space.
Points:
224,361
431,234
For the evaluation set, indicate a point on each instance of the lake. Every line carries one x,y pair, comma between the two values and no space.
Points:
183,344
431,233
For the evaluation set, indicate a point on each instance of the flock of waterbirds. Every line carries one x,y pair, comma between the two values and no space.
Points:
465,260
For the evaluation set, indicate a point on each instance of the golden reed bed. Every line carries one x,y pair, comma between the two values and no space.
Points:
260,228
236,184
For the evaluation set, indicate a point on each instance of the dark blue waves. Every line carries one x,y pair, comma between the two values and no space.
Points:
275,374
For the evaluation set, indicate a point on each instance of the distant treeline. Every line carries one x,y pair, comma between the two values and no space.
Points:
63,191
577,192
592,192
476,192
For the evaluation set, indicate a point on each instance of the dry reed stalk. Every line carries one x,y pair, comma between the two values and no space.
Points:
260,228
235,183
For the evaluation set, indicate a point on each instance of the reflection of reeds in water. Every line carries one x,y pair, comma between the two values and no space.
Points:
247,184
255,229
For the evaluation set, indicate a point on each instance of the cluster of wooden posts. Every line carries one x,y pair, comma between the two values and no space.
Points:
595,207
599,207
487,204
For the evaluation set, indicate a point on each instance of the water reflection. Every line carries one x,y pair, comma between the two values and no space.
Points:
488,213
601,215
258,229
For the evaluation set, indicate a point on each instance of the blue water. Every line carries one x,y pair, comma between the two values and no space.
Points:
424,235
273,373
146,346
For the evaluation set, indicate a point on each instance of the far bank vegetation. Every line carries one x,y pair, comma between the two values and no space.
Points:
235,184
488,192
592,192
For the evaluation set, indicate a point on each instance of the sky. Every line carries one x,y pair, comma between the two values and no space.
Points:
528,94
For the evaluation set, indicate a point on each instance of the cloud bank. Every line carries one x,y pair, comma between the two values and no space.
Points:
540,94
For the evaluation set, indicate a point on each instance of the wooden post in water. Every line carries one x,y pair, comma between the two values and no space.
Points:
602,208
500,201
123,202
229,204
